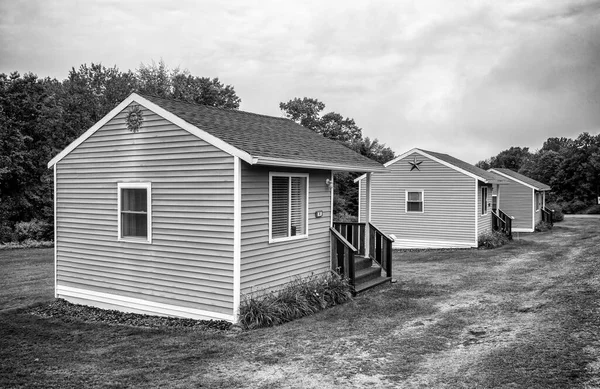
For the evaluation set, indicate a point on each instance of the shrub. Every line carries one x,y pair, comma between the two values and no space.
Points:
300,297
33,230
542,226
574,206
492,239
593,210
558,211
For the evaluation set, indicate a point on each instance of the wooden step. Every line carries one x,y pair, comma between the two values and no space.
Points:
359,288
363,275
362,263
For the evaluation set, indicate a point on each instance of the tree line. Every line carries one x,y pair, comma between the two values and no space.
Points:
571,167
39,117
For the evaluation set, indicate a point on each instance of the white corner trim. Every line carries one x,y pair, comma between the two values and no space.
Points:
134,97
476,213
237,236
55,237
136,304
331,205
360,204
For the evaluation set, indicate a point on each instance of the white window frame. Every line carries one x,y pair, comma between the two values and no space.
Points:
289,237
537,198
406,192
135,185
484,201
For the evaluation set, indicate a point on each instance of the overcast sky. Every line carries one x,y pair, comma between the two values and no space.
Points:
466,78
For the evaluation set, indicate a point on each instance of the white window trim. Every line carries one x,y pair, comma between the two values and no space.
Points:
289,175
487,207
135,185
406,200
536,202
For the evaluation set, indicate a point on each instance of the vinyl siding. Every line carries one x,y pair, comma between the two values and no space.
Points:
516,200
448,219
188,266
269,265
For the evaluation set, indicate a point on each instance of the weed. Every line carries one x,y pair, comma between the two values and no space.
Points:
543,226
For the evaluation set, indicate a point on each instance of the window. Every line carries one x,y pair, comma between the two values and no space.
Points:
288,206
414,201
134,208
538,201
494,202
484,200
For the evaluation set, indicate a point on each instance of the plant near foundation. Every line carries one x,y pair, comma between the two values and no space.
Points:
300,297
491,240
543,226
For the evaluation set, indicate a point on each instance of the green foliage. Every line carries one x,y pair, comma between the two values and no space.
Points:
593,210
558,214
512,158
38,230
491,240
542,226
332,125
574,206
40,117
301,297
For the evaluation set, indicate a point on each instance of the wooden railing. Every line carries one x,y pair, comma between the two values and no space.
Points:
353,233
502,222
380,249
548,216
342,256
380,245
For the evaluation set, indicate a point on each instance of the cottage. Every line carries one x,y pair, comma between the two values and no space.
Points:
429,200
524,199
171,208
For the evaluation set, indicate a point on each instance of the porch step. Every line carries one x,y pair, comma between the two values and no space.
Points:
362,263
359,288
363,275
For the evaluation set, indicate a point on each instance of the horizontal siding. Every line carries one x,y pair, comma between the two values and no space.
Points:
189,263
269,265
516,200
448,219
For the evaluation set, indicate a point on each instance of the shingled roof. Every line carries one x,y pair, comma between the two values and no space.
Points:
519,177
483,175
256,139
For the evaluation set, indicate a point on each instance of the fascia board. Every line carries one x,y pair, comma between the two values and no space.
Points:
516,180
451,166
134,97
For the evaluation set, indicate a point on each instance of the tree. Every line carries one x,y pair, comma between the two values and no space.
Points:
307,112
158,80
512,158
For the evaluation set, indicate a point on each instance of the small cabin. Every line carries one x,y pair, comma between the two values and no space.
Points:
430,200
171,208
523,198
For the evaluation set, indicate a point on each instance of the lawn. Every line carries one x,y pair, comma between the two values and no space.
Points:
522,316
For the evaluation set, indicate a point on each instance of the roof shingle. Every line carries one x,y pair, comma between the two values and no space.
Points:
267,136
517,176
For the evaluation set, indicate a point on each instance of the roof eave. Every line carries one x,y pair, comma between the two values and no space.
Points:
269,161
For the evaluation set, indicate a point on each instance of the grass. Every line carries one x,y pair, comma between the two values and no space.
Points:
524,315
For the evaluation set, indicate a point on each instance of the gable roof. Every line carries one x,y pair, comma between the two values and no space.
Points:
512,175
453,163
256,139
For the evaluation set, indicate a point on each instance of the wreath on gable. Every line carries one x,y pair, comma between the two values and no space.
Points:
134,118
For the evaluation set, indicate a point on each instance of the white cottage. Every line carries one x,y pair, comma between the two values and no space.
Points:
525,199
429,200
171,208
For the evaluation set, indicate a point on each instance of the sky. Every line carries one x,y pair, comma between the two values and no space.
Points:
468,78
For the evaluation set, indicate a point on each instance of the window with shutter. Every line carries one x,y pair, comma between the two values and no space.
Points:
288,206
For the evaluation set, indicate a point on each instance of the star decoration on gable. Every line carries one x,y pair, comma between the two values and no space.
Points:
414,164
